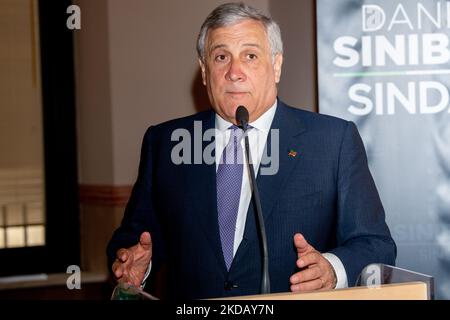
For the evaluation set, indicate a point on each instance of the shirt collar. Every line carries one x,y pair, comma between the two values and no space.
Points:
263,123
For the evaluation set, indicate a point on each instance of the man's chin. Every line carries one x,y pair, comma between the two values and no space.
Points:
228,111
232,104
231,111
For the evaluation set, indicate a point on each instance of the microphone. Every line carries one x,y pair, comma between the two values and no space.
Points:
242,117
242,120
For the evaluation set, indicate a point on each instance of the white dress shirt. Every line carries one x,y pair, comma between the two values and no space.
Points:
257,136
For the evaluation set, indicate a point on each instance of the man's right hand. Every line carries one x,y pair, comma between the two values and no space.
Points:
131,264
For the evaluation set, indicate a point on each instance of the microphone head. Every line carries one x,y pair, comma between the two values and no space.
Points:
242,116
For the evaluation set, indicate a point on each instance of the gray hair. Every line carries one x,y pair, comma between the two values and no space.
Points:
232,13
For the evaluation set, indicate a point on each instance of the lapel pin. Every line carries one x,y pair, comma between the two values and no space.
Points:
292,153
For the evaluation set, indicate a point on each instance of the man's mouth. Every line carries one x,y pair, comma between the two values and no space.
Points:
236,93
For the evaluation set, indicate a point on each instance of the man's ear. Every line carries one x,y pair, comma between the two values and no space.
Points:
277,64
203,69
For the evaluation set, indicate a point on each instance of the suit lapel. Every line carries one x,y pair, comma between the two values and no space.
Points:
289,151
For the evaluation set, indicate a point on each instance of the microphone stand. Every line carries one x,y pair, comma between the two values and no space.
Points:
265,281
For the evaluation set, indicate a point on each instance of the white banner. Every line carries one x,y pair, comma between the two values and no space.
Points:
385,64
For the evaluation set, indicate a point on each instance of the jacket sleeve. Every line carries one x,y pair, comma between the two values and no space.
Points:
140,214
363,236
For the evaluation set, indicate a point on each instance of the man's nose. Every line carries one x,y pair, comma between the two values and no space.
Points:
235,72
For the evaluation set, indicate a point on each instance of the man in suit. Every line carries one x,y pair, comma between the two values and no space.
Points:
322,213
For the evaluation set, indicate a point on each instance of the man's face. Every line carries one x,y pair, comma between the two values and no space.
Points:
239,70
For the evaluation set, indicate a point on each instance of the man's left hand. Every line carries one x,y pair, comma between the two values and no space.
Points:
316,273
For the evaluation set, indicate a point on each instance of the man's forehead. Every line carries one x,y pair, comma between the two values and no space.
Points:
248,33
244,26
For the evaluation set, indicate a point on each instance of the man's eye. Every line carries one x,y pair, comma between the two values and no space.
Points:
221,58
251,56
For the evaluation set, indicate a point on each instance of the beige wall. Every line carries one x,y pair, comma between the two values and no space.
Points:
93,94
296,19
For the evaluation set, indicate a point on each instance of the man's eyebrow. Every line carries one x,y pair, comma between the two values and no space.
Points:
221,46
252,45
218,46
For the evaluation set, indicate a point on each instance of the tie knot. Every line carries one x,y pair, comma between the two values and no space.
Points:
235,127
236,132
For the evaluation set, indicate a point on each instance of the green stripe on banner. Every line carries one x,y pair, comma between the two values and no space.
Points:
390,73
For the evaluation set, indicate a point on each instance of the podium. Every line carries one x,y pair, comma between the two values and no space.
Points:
376,282
402,291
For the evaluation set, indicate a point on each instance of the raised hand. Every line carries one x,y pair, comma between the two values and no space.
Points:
315,273
131,264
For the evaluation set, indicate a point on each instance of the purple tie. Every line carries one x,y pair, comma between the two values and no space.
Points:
229,182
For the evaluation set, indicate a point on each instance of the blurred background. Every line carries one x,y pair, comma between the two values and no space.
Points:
74,105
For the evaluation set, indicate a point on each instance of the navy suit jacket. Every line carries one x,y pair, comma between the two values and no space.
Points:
325,192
